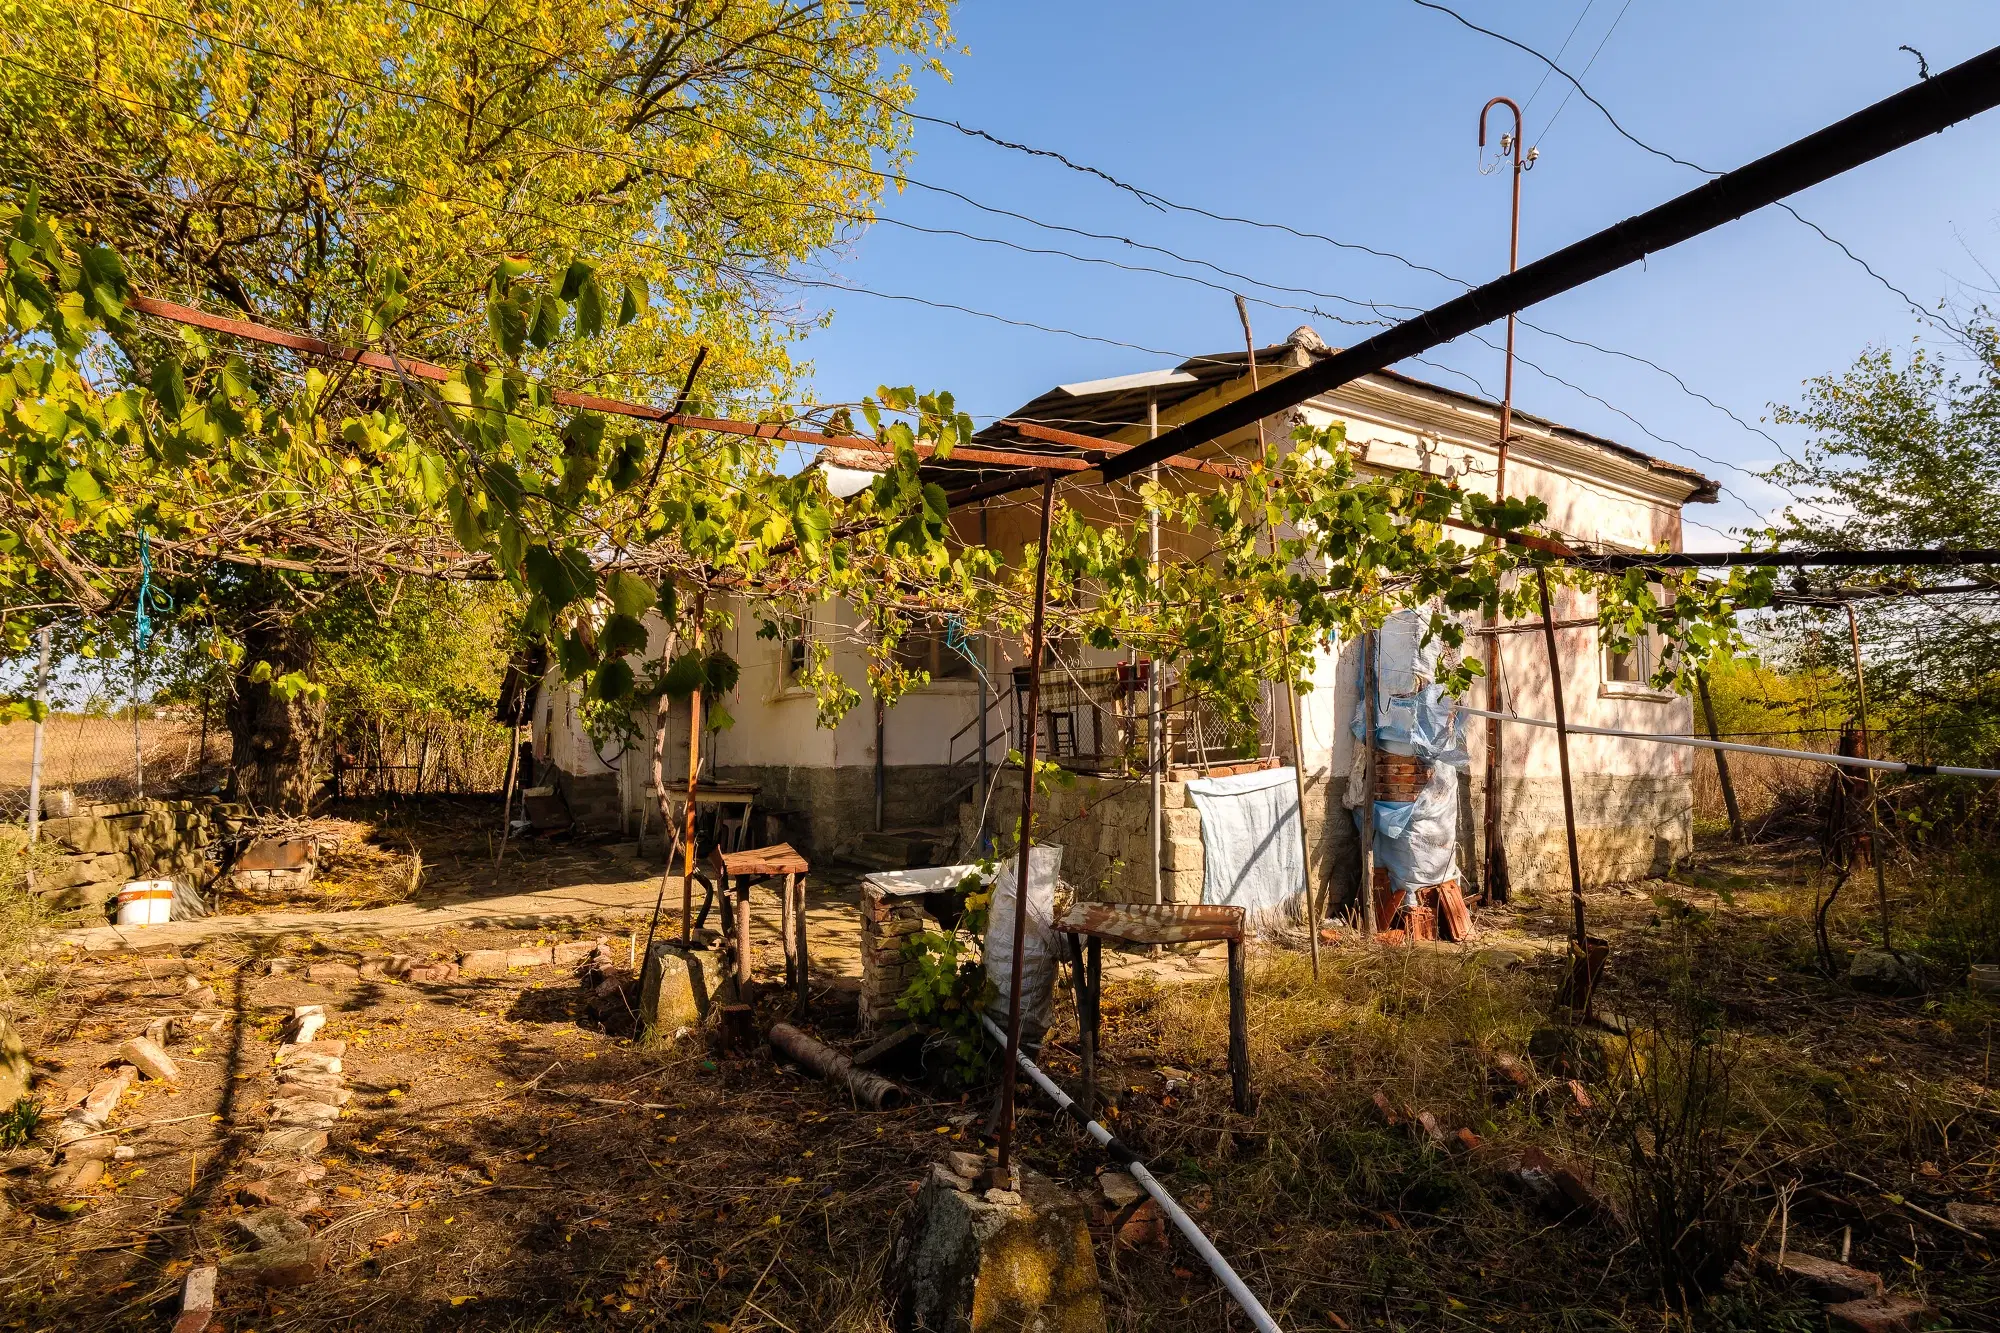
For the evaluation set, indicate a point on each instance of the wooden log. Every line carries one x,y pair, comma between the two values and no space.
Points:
870,1090
1239,1031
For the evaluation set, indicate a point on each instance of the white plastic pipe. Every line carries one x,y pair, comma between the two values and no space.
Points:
1696,742
1231,1283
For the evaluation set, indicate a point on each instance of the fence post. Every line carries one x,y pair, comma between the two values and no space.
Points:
1721,760
35,763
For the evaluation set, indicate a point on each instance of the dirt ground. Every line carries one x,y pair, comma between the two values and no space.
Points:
504,1165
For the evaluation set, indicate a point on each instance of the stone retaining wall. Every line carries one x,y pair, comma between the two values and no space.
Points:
109,843
1104,826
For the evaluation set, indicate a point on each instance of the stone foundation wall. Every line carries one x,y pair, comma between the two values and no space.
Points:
886,921
825,810
1104,827
1627,827
107,844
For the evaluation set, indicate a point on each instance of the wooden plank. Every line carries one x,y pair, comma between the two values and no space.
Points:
777,859
1146,923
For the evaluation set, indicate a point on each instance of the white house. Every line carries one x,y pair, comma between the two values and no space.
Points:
915,764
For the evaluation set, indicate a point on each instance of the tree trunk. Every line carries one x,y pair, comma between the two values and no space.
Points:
274,763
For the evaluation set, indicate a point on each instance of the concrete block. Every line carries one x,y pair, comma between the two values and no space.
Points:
150,1060
1173,796
76,872
291,1265
197,1300
333,972
1182,823
1183,854
673,993
1181,886
978,1263
483,962
530,957
293,1141
269,1228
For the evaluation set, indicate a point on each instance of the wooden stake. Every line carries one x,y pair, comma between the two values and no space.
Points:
1368,923
1721,760
694,773
1874,808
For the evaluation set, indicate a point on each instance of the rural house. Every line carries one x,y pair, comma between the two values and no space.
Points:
906,782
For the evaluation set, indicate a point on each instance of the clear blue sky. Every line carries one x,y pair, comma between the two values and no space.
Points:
1358,120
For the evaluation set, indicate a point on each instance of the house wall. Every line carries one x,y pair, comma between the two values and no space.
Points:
1634,801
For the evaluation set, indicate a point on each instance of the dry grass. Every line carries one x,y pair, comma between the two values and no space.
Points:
94,756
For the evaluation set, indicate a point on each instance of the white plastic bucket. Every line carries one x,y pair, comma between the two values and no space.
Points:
146,902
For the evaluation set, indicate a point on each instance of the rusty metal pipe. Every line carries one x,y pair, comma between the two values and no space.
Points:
1493,879
1030,732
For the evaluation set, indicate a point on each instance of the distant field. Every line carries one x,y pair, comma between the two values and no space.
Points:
93,756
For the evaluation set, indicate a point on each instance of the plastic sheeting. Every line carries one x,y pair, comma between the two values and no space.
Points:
1252,856
1415,841
1041,945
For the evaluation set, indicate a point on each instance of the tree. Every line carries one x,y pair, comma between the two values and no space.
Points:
385,173
1903,451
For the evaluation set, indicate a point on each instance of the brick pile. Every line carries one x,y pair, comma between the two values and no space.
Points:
887,920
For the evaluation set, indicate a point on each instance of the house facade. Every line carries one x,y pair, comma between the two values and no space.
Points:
918,764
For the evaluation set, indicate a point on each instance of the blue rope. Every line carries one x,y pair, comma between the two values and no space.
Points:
149,596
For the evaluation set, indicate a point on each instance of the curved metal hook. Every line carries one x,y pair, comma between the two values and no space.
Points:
1507,148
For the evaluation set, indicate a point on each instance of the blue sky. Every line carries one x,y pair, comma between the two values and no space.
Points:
1358,120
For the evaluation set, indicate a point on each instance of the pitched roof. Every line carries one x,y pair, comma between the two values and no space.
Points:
1105,406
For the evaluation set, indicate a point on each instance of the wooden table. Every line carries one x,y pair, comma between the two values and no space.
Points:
711,792
736,872
1088,925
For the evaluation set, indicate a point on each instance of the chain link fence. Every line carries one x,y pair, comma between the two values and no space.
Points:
112,757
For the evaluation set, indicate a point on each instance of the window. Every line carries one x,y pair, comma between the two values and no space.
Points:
927,646
1631,668
798,648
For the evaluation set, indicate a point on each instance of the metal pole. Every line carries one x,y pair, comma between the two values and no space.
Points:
881,759
694,774
1291,691
1721,760
1874,809
1104,1138
35,762
985,703
1562,761
1156,759
1029,734
1493,880
1368,923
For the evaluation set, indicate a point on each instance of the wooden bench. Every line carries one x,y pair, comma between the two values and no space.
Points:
735,873
1088,925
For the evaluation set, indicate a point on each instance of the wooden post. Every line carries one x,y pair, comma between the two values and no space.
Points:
513,764
1036,640
1721,760
1086,1043
35,759
742,887
660,790
1291,691
799,924
1369,925
1582,998
1239,1030
1877,851
694,773
785,935
1156,749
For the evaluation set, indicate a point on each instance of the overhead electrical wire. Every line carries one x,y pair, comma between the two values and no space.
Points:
1612,120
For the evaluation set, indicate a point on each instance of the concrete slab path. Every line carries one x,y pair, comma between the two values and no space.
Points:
833,932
